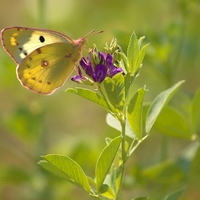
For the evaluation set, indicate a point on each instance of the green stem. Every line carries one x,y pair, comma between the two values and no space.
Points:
123,134
124,156
122,119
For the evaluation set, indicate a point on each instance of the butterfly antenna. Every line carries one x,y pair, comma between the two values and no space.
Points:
92,32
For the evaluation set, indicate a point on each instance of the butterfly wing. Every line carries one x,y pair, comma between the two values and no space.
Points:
48,67
21,41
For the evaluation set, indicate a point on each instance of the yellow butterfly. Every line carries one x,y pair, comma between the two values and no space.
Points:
45,59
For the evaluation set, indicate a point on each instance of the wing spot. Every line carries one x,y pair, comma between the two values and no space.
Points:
28,66
44,63
33,78
39,51
40,81
69,55
49,83
25,53
42,39
13,41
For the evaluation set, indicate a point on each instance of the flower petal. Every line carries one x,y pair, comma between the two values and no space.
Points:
86,65
100,72
102,57
77,79
109,62
114,71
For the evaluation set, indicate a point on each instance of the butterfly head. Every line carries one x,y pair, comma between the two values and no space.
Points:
82,41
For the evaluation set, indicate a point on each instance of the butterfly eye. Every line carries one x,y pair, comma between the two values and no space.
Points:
41,39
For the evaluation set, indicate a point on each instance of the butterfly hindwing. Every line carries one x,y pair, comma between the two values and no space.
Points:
20,41
47,67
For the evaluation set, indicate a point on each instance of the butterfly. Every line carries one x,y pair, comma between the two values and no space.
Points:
45,58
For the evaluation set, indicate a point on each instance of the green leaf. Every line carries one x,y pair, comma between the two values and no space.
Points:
125,64
196,111
118,177
114,123
140,40
140,58
134,114
114,89
160,101
66,168
107,191
90,95
171,123
135,54
128,80
105,161
132,52
175,195
53,169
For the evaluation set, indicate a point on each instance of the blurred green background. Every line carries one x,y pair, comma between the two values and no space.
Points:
32,125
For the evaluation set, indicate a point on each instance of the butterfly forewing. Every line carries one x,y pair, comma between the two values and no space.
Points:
20,42
51,67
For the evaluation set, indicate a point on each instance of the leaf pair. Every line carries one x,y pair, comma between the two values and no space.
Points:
66,168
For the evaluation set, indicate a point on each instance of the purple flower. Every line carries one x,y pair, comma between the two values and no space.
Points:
100,72
78,78
97,66
87,67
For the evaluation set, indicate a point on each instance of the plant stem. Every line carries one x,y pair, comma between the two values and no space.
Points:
123,155
123,134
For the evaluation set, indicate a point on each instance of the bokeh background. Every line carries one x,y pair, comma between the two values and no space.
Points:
32,125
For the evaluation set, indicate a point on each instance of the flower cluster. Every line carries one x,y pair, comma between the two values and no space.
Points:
97,66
